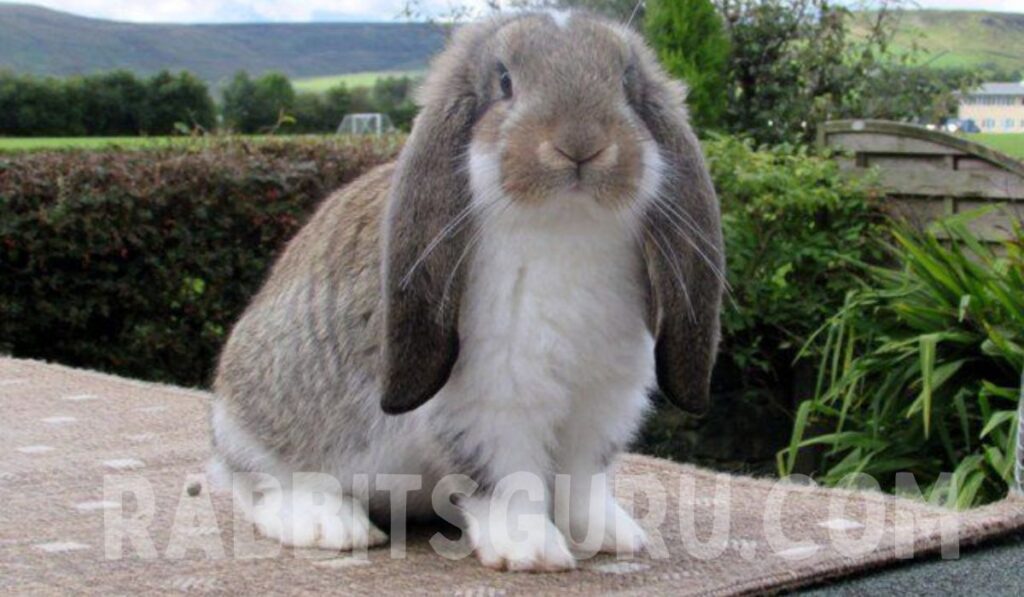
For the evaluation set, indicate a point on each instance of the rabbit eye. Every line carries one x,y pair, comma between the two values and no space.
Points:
505,79
628,77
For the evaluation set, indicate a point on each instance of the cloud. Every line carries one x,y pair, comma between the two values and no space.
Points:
993,5
244,11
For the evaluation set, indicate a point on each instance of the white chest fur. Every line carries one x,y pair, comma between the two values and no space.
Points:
554,308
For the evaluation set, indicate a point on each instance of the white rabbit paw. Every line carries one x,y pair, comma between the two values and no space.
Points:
537,546
326,521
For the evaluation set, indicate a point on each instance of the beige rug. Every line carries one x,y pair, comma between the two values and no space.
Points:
63,432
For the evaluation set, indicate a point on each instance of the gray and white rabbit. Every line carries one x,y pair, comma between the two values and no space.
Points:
499,301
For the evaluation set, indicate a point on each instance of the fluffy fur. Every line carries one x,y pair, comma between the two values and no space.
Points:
510,288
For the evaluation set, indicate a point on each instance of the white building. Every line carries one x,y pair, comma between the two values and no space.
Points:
995,107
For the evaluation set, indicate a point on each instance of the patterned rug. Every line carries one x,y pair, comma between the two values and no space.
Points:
102,491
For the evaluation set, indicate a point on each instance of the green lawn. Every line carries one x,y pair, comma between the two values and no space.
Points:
18,144
34,143
366,79
1009,143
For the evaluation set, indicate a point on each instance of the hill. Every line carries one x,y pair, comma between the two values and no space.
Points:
965,38
46,42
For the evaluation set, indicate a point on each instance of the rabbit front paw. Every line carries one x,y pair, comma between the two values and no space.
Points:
534,544
326,521
604,527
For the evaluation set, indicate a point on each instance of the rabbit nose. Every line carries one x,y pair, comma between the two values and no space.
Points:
580,159
580,143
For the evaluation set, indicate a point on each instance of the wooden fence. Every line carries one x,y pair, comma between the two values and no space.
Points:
928,174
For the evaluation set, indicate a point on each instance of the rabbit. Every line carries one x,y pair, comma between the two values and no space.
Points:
501,300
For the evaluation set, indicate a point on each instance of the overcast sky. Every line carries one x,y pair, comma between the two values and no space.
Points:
219,11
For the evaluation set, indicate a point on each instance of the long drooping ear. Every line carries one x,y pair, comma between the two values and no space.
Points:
684,252
425,233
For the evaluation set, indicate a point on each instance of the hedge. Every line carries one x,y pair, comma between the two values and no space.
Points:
138,262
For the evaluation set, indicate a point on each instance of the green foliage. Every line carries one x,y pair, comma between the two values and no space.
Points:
257,105
138,262
393,96
692,46
921,369
30,106
794,228
115,103
174,99
796,63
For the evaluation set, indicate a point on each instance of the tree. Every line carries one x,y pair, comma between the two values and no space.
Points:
320,113
274,99
337,103
38,107
238,100
393,96
308,112
113,103
691,44
257,106
177,99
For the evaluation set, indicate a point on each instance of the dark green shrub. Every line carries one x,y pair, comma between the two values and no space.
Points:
795,231
795,234
921,369
138,262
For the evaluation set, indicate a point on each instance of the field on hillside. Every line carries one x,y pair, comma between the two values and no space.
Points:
964,38
1011,144
366,79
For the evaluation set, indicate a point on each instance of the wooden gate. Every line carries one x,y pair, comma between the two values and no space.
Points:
929,174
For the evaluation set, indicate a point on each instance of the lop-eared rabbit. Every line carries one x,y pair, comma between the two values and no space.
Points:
498,304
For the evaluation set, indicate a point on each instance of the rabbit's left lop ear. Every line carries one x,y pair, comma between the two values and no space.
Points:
422,243
684,250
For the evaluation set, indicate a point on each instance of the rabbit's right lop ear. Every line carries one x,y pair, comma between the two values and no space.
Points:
425,234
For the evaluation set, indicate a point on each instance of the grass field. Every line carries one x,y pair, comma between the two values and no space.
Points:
34,143
19,144
367,79
1010,143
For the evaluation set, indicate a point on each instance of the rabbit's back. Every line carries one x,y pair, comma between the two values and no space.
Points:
299,372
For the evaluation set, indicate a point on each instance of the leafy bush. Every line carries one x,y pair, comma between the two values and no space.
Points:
920,370
691,43
794,231
137,262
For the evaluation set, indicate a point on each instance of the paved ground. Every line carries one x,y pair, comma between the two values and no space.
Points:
997,569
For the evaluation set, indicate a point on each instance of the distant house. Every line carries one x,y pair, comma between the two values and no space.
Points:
995,107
